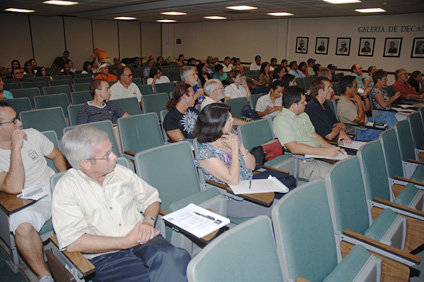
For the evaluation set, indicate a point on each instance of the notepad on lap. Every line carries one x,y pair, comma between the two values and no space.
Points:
254,186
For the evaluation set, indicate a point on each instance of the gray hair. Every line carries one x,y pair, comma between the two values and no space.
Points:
211,85
398,72
78,143
184,72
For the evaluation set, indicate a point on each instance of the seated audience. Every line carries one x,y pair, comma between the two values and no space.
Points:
17,75
227,64
4,94
3,72
303,67
284,63
60,61
222,157
42,72
180,121
104,73
108,213
116,66
202,73
270,105
265,76
150,65
192,62
219,73
288,80
357,73
321,115
28,68
369,83
156,77
310,68
87,68
325,72
71,64
295,131
273,64
279,72
294,70
256,65
15,65
180,60
416,81
237,88
67,70
99,108
379,98
401,85
125,88
352,106
160,62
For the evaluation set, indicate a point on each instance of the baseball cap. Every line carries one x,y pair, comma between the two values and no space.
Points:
103,65
257,57
311,60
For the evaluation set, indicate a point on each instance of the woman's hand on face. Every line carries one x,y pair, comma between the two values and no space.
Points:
231,140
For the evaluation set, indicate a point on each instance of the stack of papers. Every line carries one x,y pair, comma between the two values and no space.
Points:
34,192
254,186
196,220
339,157
355,145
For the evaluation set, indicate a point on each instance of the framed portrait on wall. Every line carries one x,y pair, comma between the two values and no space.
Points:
321,45
418,48
302,45
392,47
366,46
343,46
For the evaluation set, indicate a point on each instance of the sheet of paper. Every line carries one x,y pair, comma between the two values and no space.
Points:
405,106
196,220
35,192
339,157
399,109
354,145
254,186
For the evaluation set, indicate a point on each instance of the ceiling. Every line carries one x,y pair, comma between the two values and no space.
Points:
149,11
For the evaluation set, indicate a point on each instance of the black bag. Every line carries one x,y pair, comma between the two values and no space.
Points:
259,154
248,114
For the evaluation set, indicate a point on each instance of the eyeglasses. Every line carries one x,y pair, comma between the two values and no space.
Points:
19,72
107,158
12,121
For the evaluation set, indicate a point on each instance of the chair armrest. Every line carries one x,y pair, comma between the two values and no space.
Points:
132,154
276,169
409,180
415,161
301,279
77,259
163,212
10,203
404,209
378,245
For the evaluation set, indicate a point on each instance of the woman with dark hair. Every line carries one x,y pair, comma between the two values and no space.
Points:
41,72
87,67
288,80
270,105
237,88
180,61
303,67
222,157
416,81
28,68
180,121
379,97
156,77
265,76
368,82
15,65
202,73
279,72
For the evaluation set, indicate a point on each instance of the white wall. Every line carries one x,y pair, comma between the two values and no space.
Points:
277,38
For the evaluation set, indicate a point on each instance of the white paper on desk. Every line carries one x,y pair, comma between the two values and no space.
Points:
354,145
271,184
339,157
197,225
405,106
399,109
35,192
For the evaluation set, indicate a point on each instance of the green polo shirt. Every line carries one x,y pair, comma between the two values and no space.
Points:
290,127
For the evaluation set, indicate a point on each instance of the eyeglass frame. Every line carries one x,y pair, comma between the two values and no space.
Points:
12,121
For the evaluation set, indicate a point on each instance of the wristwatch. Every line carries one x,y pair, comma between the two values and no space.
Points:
152,218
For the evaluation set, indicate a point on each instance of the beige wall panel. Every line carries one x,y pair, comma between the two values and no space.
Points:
150,39
78,41
129,37
106,36
48,38
16,39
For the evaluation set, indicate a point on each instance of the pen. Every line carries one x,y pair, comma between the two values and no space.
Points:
205,216
250,184
344,153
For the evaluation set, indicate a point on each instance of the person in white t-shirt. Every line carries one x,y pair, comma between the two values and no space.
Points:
237,88
256,65
125,88
156,77
271,104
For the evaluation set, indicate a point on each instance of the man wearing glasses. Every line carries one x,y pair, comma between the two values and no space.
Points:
108,213
22,165
18,75
125,88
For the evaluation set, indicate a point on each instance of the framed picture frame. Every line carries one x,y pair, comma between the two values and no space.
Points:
392,47
321,45
343,46
418,48
366,46
302,45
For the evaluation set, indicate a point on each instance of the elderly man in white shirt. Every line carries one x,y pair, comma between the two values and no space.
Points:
125,88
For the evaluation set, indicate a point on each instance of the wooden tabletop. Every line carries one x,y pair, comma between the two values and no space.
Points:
9,203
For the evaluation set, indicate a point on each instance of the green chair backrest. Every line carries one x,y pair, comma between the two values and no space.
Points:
346,191
374,171
254,99
62,77
336,88
174,75
45,119
300,81
105,125
177,163
61,82
333,107
46,79
82,80
404,136
417,129
304,233
140,132
32,84
81,97
162,115
50,101
49,90
164,87
82,87
137,80
255,133
20,104
10,86
112,82
51,135
390,90
73,113
244,253
236,105
129,105
391,152
82,75
307,81
145,89
154,103
26,92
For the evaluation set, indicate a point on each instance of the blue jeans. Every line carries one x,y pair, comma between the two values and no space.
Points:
156,260
373,134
